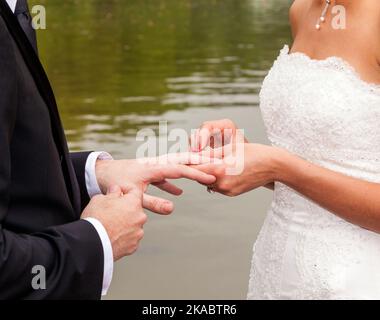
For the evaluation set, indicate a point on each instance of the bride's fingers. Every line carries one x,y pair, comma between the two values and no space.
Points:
204,138
218,154
213,154
168,187
200,138
157,205
225,128
194,141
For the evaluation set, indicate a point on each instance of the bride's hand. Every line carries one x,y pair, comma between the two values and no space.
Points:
223,130
257,163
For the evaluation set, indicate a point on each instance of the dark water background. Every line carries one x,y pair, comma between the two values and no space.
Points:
118,66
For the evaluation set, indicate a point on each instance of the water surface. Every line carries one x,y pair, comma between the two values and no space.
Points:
121,65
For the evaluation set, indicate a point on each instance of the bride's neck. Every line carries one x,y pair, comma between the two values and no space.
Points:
346,3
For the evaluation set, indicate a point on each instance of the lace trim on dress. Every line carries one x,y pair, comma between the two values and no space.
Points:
335,63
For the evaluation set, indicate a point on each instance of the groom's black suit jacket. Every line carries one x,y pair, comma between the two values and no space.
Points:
42,186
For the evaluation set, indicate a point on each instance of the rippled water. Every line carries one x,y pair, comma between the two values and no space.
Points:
121,65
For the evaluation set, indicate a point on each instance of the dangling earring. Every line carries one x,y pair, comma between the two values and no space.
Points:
322,18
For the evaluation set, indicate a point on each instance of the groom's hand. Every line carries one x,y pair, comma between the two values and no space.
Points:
156,171
122,215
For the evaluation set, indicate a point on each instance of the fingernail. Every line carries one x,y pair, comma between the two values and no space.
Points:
168,207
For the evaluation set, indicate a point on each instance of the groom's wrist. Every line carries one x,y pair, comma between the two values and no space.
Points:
101,168
91,178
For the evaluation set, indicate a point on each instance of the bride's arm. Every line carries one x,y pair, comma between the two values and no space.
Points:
352,199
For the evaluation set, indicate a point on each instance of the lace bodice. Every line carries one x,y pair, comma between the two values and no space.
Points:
322,111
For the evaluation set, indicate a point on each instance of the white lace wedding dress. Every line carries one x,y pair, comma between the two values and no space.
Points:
322,111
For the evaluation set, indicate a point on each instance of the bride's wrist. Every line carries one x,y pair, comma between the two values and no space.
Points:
291,168
280,164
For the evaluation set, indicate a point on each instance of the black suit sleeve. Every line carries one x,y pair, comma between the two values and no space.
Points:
71,254
79,160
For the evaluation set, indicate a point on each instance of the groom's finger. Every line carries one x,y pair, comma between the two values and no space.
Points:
169,187
184,171
187,158
157,205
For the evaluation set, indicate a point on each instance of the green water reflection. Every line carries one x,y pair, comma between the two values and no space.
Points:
120,65
113,62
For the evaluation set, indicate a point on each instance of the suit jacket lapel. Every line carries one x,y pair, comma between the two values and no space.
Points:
47,94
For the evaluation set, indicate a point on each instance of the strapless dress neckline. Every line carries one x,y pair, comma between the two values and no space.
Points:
334,62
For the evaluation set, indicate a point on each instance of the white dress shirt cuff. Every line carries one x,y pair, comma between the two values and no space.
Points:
93,189
91,181
107,252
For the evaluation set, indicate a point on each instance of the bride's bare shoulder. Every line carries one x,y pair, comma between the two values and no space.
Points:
297,11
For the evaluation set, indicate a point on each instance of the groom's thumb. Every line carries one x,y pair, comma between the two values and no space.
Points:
114,190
